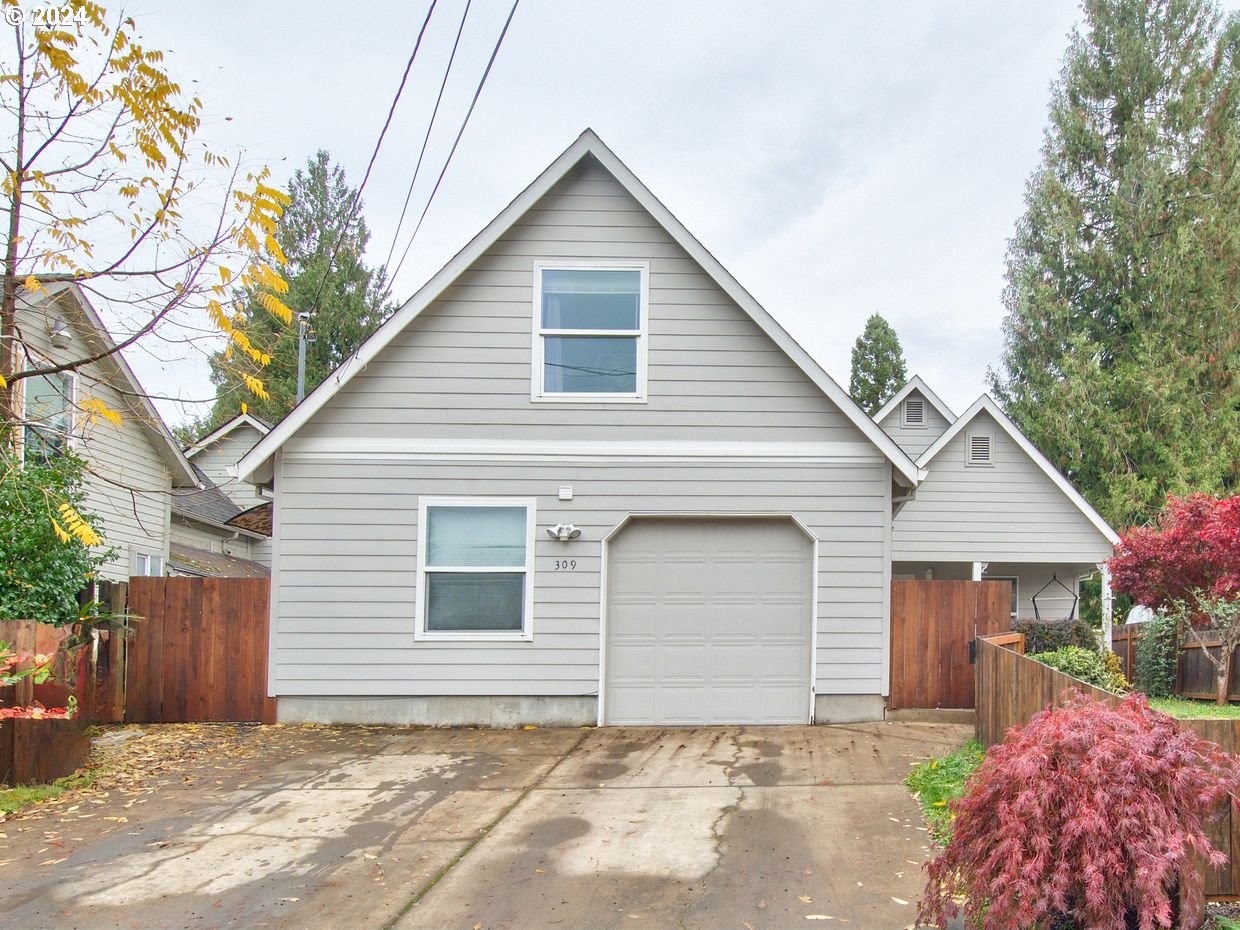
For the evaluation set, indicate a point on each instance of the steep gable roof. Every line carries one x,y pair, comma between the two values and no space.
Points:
587,144
241,419
985,404
165,445
915,384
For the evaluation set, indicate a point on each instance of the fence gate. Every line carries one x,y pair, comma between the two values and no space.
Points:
932,624
198,652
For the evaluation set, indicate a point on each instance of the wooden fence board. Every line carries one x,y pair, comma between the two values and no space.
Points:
932,624
199,653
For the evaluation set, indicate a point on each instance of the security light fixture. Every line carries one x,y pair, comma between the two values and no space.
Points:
563,532
61,336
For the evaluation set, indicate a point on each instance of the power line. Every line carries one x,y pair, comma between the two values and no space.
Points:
477,93
357,195
426,138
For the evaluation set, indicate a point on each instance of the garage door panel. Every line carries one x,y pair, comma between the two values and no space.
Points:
709,621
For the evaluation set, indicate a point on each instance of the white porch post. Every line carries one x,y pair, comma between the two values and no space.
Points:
979,569
1107,604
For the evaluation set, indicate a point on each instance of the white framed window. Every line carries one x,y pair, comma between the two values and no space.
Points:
590,331
148,563
1015,590
47,412
977,450
914,409
475,576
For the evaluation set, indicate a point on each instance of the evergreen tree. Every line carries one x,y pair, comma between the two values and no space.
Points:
1123,300
877,365
343,293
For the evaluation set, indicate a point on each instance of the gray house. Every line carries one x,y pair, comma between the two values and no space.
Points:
991,507
581,476
206,538
134,465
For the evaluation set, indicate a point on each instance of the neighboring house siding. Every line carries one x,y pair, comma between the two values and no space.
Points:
344,581
914,440
129,487
219,461
194,534
462,368
1010,511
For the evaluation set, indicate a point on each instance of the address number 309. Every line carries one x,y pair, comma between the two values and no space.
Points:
565,565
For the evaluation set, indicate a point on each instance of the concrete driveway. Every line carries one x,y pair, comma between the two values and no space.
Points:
372,827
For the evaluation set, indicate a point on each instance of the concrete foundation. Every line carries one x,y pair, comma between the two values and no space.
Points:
441,711
848,708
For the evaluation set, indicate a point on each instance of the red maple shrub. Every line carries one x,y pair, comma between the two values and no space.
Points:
1089,813
1195,547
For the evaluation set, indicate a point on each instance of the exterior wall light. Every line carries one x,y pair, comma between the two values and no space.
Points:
563,532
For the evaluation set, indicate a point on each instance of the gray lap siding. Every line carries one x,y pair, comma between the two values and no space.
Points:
345,582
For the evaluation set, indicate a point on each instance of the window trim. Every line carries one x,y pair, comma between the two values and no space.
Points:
526,633
538,393
904,420
968,449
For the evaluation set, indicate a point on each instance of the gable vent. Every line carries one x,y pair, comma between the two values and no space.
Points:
979,449
914,412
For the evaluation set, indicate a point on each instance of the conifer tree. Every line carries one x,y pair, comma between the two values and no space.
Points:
1123,301
877,365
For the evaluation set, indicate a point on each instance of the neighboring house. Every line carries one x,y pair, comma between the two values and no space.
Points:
131,468
991,507
205,541
581,476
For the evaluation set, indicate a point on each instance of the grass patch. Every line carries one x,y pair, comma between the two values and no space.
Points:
1187,709
16,799
940,781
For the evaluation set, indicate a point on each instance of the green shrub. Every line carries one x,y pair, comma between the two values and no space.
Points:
1049,635
1115,673
1085,664
1154,668
41,574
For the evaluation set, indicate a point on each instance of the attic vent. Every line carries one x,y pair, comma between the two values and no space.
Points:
914,411
979,449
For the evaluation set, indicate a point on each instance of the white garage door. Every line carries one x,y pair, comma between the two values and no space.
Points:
708,621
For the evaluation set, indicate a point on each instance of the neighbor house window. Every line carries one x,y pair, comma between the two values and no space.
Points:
145,563
590,332
47,409
914,411
978,449
475,568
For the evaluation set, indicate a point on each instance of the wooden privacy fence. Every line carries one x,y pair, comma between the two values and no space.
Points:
43,750
932,625
1195,673
195,650
199,651
1012,688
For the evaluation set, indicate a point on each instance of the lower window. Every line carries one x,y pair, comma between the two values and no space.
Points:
475,568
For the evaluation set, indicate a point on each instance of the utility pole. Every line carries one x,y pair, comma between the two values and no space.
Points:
303,336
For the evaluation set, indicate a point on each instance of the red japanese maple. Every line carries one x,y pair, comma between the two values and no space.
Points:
1195,547
1088,813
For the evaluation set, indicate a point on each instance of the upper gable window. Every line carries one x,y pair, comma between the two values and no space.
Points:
914,411
48,412
978,449
590,332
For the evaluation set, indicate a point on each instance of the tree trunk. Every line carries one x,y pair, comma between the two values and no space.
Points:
1220,695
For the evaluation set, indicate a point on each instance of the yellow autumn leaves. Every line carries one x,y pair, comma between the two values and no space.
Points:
74,527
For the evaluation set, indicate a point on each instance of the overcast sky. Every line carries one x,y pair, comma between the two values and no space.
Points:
840,159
